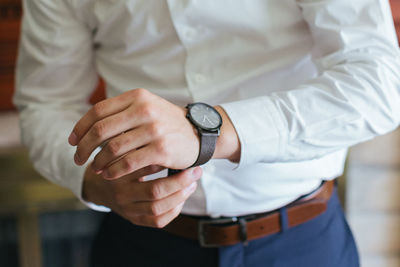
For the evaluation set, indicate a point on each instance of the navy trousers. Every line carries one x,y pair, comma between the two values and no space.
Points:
325,241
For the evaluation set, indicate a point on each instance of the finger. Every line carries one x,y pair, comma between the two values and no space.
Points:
159,207
158,221
99,111
122,144
100,132
127,189
105,129
126,182
131,162
143,172
163,187
102,110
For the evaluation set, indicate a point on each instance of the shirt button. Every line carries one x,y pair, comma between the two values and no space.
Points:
199,78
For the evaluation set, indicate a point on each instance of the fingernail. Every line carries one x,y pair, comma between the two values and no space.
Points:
190,189
196,174
73,139
77,159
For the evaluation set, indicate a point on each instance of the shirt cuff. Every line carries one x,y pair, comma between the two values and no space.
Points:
259,127
78,186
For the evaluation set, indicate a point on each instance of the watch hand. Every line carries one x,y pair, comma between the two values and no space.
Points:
209,120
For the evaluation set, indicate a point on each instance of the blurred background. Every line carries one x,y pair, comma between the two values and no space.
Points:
42,224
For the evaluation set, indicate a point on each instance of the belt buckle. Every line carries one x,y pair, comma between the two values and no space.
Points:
201,231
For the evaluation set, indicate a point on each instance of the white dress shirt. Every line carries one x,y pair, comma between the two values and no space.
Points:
300,80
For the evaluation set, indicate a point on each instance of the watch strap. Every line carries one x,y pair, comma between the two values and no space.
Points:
208,141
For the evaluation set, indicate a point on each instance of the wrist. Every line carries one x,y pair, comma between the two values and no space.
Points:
228,144
91,186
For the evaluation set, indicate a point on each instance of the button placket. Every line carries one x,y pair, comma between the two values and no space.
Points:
188,35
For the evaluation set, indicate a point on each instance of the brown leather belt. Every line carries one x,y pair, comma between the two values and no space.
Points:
232,230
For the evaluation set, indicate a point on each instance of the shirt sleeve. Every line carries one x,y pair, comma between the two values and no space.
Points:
54,79
354,97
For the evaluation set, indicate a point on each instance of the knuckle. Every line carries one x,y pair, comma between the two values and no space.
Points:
155,129
155,191
155,209
114,147
97,109
99,129
146,110
159,223
140,92
162,147
127,164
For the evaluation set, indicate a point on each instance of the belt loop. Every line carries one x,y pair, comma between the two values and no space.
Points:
284,219
243,231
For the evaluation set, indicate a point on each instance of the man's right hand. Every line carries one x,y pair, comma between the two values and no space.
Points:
152,203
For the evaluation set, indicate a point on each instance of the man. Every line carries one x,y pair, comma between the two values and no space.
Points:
293,83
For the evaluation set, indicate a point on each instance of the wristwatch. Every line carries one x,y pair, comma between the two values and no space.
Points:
208,123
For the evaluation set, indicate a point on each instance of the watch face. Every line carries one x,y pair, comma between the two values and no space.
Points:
205,116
